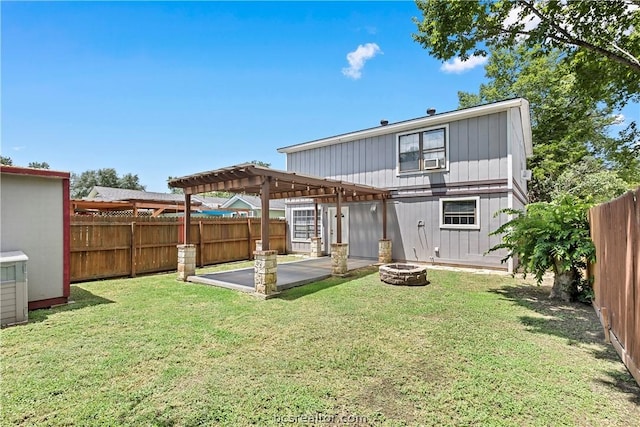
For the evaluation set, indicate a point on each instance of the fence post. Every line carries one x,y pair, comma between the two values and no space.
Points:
201,246
250,238
133,249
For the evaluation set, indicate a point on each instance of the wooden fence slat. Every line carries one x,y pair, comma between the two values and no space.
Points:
116,247
615,231
133,249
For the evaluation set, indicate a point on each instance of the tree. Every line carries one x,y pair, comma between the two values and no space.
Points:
39,165
551,235
589,180
173,190
600,41
260,163
6,161
565,126
82,184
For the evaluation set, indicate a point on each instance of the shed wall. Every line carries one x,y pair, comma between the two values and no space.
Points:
31,221
518,153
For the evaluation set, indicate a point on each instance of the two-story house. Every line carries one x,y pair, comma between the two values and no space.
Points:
448,174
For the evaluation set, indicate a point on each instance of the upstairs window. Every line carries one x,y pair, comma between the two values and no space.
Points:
425,150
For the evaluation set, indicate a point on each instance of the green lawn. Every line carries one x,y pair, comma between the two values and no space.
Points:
468,349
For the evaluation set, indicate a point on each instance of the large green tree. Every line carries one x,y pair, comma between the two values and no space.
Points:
82,184
565,126
589,180
599,40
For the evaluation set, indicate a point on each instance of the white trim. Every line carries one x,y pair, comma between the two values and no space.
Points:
430,170
475,226
509,218
308,208
509,152
427,121
525,118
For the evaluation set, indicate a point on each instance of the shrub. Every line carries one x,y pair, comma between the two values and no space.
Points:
551,235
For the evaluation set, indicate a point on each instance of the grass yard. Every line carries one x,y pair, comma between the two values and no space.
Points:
468,349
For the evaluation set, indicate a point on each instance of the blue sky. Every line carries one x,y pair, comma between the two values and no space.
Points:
159,89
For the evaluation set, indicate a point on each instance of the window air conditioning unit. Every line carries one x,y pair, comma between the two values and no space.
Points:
526,174
431,163
13,288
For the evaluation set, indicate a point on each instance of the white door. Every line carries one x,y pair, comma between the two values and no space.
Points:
333,225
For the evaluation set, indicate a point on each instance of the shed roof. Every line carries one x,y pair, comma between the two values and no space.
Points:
42,173
248,178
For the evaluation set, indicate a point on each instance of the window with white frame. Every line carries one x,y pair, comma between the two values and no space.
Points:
424,150
302,224
461,212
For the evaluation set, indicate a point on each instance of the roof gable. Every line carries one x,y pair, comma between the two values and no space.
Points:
251,202
426,121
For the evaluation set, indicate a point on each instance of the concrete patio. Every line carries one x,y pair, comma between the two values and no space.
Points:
290,274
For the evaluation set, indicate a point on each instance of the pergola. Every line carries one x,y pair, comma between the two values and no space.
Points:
158,206
275,184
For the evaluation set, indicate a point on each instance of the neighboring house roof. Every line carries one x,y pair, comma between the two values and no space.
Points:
210,202
432,120
254,202
114,194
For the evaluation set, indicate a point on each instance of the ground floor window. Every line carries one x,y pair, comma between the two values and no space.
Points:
302,224
460,213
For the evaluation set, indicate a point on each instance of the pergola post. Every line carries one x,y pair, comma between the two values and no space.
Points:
187,219
316,241
384,245
339,250
384,218
187,251
339,217
264,221
315,219
265,269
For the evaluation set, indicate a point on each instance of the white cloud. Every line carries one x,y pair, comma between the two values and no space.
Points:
531,21
357,59
19,148
618,119
458,66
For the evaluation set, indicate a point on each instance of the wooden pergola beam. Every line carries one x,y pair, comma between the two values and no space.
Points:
248,178
272,184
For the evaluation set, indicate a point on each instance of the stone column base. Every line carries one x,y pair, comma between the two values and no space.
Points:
265,273
316,247
384,251
339,258
186,261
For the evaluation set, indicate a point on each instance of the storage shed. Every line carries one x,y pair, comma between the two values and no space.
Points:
35,219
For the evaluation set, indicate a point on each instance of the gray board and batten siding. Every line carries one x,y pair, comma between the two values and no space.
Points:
486,155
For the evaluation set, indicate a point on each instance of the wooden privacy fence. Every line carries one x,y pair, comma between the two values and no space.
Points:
615,230
103,247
